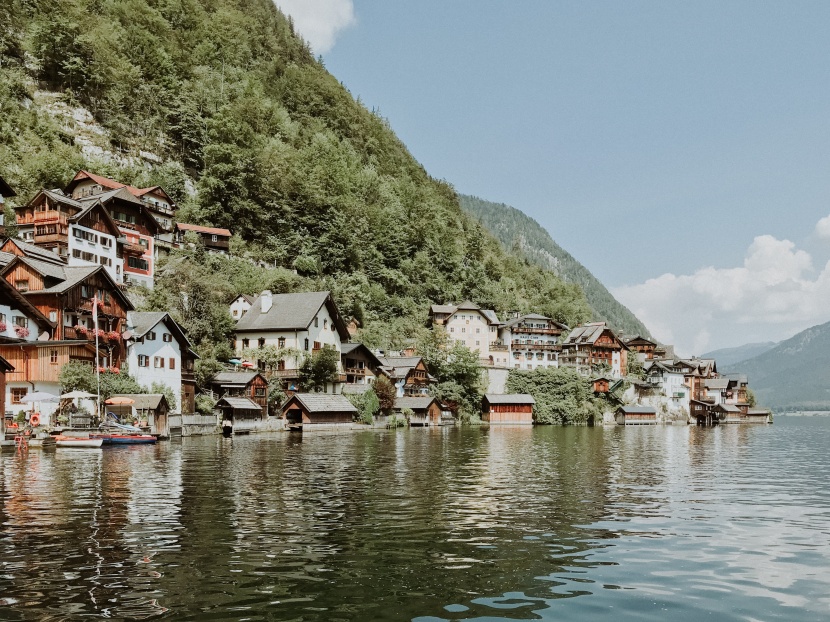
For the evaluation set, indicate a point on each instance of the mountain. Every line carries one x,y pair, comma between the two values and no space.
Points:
792,375
522,235
732,356
223,104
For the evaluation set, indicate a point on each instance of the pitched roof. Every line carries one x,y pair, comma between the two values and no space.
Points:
291,312
68,277
449,309
144,321
145,401
588,334
58,197
509,398
5,366
348,348
11,296
717,383
6,189
352,388
323,402
35,252
200,229
239,403
414,402
124,194
105,182
45,268
638,410
234,378
6,258
730,408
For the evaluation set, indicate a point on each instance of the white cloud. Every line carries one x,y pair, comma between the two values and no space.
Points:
773,295
319,21
823,227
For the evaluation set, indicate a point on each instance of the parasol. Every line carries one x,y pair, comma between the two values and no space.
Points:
38,396
119,400
79,394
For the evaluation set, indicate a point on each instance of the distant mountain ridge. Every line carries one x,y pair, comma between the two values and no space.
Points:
794,374
525,237
732,356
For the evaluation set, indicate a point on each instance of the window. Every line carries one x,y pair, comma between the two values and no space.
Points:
316,322
2,318
281,342
151,336
22,286
20,320
259,391
306,345
143,360
478,330
316,345
53,316
213,238
106,241
86,291
18,394
452,330
261,342
245,343
325,324
281,365
172,363
53,357
260,365
158,362
138,263
167,337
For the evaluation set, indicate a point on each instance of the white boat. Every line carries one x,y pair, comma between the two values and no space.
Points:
71,441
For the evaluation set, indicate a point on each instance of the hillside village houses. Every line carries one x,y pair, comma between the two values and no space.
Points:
82,246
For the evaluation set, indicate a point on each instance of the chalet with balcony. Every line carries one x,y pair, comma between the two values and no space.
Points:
360,365
245,384
512,409
298,324
645,348
475,328
215,239
532,341
595,346
78,233
409,374
158,351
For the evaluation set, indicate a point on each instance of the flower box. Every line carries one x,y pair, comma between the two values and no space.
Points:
21,331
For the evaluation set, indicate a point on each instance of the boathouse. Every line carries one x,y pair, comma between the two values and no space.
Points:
516,408
636,415
149,409
426,410
318,409
757,415
240,410
728,413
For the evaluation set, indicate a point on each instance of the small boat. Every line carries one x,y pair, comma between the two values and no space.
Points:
125,439
72,441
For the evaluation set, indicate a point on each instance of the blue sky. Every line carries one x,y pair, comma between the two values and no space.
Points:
679,151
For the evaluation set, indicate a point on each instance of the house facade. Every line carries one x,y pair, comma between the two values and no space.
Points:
532,341
318,410
473,327
240,305
215,239
250,385
593,347
360,365
409,374
158,351
513,409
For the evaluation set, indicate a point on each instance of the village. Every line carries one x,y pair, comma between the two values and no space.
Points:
64,297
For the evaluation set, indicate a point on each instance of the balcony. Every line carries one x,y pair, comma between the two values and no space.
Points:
547,347
518,330
498,347
43,218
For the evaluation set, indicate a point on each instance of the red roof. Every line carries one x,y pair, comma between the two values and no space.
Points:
200,229
106,182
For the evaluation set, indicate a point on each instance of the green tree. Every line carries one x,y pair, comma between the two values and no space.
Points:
167,392
319,369
562,395
385,391
750,398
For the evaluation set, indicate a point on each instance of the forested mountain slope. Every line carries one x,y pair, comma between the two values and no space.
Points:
792,375
224,105
523,236
733,356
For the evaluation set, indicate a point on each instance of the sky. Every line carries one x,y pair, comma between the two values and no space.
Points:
680,151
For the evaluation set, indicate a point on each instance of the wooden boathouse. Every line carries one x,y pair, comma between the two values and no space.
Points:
636,415
321,410
514,409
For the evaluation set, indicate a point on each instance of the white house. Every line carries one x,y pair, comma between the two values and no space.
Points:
476,328
300,324
159,352
240,305
531,341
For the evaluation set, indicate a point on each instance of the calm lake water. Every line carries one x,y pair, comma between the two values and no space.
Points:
664,523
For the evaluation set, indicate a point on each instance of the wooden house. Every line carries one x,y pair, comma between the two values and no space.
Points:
641,345
150,410
426,410
758,415
727,413
636,415
15,247
318,409
408,373
360,365
516,408
601,385
240,410
593,346
215,239
248,384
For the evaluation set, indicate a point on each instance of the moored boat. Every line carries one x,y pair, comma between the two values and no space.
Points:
125,439
80,442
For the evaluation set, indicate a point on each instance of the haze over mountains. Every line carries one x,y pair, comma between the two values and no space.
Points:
732,356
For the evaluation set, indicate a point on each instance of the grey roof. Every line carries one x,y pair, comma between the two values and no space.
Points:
717,383
730,408
239,403
491,316
347,348
587,333
46,268
59,197
413,402
121,193
758,411
36,252
638,410
72,275
324,402
355,389
509,398
144,401
143,322
6,258
449,309
399,361
290,312
235,378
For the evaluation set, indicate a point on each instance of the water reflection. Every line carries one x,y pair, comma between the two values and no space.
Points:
425,524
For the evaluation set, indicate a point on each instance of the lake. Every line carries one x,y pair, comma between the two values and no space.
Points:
548,523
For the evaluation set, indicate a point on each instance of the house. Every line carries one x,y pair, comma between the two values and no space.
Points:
408,373
215,239
240,305
240,410
595,346
474,327
78,233
668,378
645,348
151,410
318,409
531,341
425,409
513,408
15,247
636,415
360,365
159,204
758,415
728,413
298,324
158,351
248,384
600,385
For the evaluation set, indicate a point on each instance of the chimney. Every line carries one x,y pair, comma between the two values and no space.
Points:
266,300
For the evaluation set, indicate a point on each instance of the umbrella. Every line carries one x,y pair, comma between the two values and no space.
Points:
74,394
38,396
119,400
235,362
247,364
